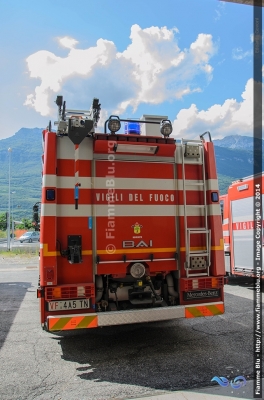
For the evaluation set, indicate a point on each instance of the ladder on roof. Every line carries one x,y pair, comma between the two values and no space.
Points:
197,260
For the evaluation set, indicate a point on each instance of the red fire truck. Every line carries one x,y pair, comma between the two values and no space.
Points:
130,223
237,208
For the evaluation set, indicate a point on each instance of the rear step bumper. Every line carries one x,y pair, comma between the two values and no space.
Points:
110,318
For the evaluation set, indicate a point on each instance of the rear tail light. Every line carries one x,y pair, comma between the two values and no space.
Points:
39,293
56,292
70,292
81,291
215,283
195,284
202,283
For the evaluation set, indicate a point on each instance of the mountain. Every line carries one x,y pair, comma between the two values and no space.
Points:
234,159
25,171
238,142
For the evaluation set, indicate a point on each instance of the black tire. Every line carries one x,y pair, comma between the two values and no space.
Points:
29,240
21,241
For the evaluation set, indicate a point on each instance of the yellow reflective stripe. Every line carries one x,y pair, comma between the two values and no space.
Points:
195,312
85,322
69,323
59,325
220,247
204,310
140,250
47,253
215,310
193,248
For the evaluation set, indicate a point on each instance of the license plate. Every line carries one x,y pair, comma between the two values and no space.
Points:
79,304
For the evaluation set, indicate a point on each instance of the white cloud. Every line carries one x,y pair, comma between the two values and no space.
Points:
220,10
151,69
67,42
230,118
239,54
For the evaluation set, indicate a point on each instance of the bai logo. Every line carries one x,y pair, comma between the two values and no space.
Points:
128,244
236,383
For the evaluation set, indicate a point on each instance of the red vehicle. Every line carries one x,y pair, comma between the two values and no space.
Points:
238,226
130,224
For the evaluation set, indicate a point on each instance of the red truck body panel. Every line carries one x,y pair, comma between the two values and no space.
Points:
130,231
239,225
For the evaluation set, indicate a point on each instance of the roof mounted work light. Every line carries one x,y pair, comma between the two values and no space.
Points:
114,124
165,127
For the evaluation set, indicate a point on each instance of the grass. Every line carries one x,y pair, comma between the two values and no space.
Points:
27,252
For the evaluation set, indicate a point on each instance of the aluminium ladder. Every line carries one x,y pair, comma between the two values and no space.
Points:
197,261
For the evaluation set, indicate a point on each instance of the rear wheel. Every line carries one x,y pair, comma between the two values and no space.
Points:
30,241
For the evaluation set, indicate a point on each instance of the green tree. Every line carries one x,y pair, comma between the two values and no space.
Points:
26,224
3,222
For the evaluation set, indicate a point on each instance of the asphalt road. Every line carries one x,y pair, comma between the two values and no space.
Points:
16,245
117,362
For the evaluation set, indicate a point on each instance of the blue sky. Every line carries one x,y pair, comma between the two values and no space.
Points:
190,60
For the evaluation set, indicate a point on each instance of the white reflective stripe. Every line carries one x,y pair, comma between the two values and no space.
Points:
65,182
119,210
135,210
65,210
49,181
151,210
135,183
226,233
77,153
154,184
214,209
243,218
86,149
66,149
242,236
75,164
211,184
48,210
196,210
68,182
189,184
226,221
131,157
